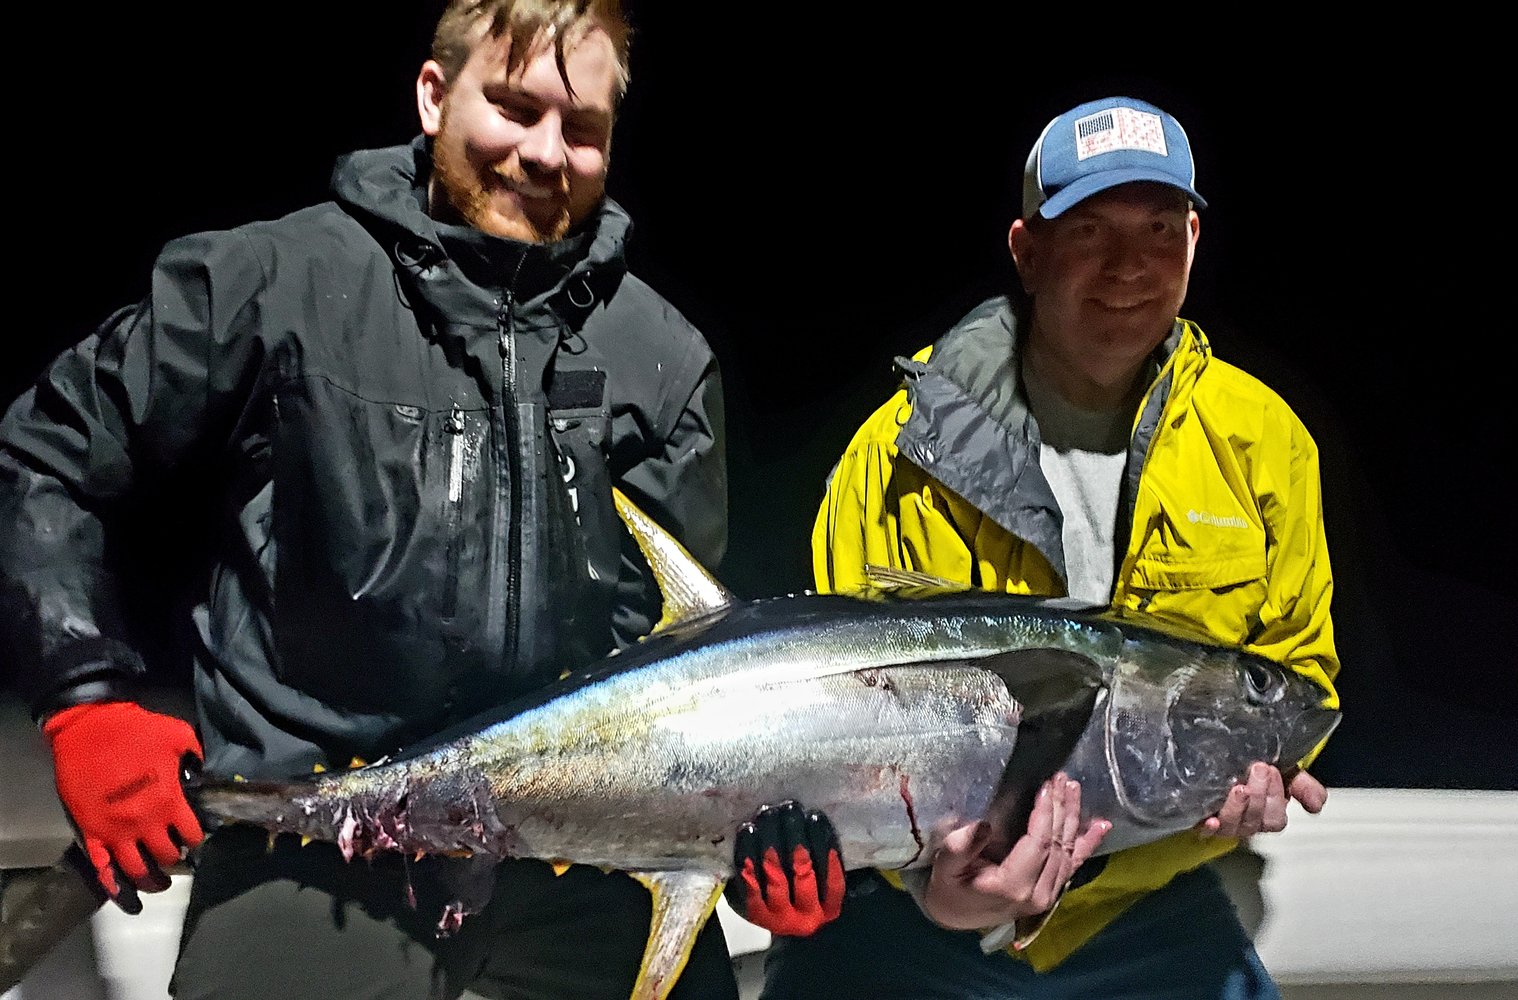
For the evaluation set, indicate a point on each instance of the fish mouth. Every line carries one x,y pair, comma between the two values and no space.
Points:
1307,733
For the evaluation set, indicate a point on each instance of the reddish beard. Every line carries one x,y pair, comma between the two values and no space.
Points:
470,197
555,220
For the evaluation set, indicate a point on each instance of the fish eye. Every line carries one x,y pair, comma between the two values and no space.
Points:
1261,680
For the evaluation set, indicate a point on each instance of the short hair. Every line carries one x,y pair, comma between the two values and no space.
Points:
526,22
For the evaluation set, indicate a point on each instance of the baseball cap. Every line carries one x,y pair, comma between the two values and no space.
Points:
1102,144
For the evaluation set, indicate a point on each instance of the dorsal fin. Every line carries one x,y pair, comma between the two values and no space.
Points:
687,589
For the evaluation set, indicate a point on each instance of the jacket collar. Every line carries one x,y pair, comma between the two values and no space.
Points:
971,429
463,272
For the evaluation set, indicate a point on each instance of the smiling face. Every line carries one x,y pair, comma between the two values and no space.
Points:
515,153
1107,278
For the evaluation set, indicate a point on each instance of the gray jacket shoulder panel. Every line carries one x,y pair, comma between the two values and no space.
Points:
970,428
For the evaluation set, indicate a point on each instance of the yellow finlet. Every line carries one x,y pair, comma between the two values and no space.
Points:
358,762
560,867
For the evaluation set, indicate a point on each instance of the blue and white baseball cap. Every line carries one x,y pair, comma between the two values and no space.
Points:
1102,144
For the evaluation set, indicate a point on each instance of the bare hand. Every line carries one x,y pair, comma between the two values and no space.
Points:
969,889
1258,804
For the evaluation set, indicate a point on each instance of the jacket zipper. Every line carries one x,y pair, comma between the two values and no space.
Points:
506,323
1128,503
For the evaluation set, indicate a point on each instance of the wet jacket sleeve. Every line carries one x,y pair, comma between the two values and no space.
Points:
152,388
682,484
1295,625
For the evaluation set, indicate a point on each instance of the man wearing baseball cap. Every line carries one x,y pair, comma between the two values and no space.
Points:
1076,438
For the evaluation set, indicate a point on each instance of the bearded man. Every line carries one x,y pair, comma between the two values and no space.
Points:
408,407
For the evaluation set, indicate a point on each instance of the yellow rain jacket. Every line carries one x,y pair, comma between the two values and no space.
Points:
1221,498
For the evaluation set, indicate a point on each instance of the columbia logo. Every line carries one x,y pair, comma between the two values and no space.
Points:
1202,517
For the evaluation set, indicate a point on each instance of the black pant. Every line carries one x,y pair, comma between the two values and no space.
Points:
296,922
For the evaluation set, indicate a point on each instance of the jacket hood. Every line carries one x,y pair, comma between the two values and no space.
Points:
387,189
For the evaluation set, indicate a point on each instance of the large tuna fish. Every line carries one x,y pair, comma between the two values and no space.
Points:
900,718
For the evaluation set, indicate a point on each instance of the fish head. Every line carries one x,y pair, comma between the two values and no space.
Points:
1187,721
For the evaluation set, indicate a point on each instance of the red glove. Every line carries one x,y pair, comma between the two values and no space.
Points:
789,872
117,768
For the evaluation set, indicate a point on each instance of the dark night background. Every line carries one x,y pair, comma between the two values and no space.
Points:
823,195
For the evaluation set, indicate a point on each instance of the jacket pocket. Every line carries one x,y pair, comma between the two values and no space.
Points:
1201,570
360,494
580,438
1213,572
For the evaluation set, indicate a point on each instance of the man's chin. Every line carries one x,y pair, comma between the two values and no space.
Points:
520,228
535,228
505,215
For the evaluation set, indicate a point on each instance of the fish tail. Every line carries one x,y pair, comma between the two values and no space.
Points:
273,805
32,925
361,818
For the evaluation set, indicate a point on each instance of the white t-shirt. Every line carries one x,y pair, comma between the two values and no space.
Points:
1082,455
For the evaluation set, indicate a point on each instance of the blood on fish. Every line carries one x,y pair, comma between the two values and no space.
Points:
906,797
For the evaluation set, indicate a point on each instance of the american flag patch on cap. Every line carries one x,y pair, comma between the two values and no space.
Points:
1119,128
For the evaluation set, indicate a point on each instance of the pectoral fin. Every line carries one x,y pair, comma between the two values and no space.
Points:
1059,691
683,902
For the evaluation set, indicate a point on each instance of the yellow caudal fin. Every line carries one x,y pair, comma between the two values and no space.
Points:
688,590
683,902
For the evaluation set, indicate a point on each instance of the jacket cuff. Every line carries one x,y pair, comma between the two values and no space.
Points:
94,669
88,692
1017,934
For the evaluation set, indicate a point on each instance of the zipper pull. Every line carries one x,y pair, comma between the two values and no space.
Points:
504,321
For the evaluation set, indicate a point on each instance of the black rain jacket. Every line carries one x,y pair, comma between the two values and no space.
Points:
407,433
